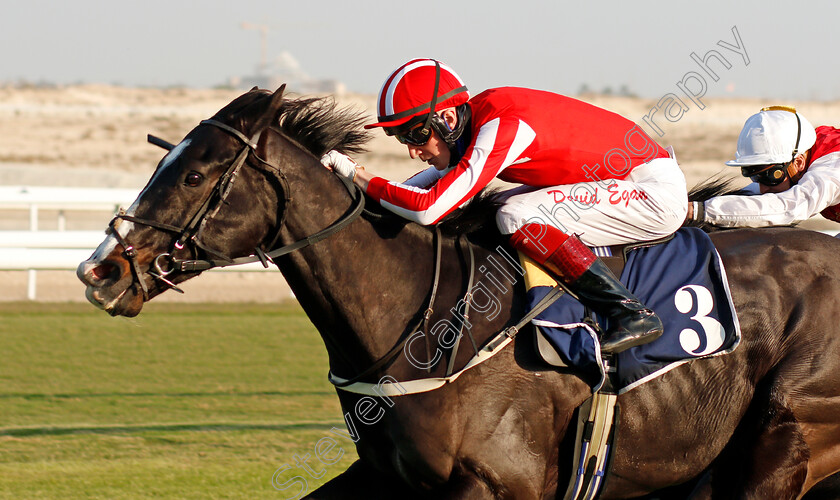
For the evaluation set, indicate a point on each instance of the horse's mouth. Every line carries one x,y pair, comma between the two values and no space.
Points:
117,297
126,303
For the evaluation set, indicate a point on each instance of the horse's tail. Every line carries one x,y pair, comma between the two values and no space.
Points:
713,186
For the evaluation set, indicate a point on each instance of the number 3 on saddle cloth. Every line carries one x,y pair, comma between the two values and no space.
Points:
682,280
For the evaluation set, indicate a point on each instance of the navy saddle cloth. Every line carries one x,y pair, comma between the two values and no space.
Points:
683,281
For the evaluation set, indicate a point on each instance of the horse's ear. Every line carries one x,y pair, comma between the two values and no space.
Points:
273,110
277,99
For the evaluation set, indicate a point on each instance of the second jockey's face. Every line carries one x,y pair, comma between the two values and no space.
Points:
799,164
435,152
778,188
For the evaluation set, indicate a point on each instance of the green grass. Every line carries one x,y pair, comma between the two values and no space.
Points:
203,401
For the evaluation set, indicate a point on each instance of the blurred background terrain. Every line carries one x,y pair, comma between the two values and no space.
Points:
95,135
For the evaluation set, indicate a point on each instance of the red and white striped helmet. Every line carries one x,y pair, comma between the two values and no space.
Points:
410,90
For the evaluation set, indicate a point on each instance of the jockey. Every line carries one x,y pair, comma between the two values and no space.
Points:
795,172
587,177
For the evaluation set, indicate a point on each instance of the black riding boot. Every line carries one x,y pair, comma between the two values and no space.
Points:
573,263
630,323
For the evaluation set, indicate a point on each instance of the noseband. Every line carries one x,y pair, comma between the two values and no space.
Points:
188,234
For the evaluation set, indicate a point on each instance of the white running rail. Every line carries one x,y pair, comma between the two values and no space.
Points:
60,249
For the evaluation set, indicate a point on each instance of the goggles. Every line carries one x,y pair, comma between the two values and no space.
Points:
770,176
418,135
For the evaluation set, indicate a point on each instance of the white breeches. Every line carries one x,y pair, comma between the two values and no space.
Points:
650,203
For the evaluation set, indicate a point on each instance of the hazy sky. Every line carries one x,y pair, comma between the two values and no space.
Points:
557,45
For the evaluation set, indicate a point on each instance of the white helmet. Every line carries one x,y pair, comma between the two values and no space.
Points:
776,134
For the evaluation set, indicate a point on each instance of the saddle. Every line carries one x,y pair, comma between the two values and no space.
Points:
614,256
682,279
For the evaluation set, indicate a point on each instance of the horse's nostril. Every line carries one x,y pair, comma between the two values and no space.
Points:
102,271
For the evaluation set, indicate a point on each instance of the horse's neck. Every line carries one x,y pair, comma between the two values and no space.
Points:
366,286
359,288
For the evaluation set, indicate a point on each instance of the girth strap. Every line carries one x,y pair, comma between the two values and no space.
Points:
597,423
493,347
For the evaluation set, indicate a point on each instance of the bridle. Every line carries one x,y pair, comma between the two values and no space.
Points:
165,264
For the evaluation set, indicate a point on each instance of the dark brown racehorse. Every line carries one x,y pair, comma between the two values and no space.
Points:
762,422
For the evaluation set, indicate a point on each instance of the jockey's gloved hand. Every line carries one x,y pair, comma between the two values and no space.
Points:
340,163
697,213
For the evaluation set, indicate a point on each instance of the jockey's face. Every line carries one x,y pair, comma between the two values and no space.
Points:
778,188
799,164
436,152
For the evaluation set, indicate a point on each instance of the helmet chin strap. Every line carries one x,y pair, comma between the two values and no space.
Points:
451,135
438,124
791,168
433,103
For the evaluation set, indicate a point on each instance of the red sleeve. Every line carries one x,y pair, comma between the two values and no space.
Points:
497,144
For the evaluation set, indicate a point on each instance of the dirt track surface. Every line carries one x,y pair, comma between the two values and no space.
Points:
94,135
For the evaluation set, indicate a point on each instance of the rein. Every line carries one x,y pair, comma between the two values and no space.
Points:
259,255
188,234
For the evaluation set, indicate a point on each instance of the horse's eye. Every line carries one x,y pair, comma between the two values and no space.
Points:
193,179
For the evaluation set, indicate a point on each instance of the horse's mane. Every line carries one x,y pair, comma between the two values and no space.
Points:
316,123
717,185
319,125
477,218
